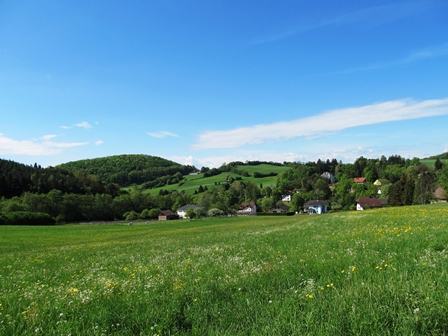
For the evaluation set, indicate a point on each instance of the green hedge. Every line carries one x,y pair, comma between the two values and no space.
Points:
275,213
28,218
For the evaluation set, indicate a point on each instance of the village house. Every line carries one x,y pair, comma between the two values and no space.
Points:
440,194
279,208
368,202
182,211
360,180
287,198
247,208
329,176
316,206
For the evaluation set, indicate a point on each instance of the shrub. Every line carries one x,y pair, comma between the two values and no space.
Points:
131,215
29,218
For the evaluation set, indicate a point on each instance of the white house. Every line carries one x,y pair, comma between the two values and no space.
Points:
182,211
316,206
287,198
247,208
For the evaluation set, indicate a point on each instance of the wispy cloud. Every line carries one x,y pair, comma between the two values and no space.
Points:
161,134
41,146
325,123
430,52
416,56
84,124
372,16
99,142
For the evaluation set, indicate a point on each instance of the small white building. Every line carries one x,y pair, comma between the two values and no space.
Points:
247,208
182,211
287,198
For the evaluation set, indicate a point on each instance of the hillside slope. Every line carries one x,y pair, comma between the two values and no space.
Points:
440,156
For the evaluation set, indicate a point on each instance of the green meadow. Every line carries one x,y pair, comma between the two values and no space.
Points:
191,183
430,162
376,272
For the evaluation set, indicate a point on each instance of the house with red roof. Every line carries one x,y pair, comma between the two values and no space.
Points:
360,180
368,202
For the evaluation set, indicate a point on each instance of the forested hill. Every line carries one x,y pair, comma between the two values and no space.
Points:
17,178
127,169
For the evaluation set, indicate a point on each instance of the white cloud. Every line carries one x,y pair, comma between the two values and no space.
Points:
84,124
65,127
42,146
99,142
161,134
217,161
325,123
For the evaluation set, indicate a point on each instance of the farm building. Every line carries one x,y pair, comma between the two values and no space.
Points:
167,215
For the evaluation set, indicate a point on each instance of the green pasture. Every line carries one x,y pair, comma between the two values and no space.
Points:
190,183
263,168
430,162
376,272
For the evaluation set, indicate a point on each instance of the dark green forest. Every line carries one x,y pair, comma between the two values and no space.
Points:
87,192
127,169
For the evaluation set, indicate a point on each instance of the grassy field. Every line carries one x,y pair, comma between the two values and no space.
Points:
192,182
430,162
377,272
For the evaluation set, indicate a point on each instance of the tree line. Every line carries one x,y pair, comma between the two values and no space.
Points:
401,182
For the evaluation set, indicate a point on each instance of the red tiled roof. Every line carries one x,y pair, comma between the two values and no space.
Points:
359,179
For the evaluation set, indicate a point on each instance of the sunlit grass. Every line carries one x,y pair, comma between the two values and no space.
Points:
373,272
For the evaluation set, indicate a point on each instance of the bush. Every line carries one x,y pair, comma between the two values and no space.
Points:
130,215
29,218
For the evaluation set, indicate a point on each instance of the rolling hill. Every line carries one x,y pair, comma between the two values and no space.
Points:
128,169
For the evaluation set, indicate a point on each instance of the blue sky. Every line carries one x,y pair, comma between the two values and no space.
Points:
208,82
